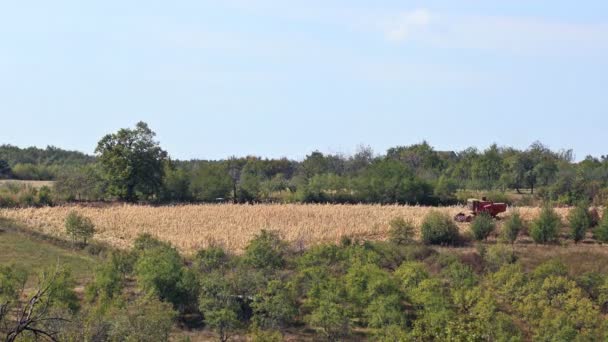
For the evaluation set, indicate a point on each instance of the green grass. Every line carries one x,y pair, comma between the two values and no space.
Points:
36,255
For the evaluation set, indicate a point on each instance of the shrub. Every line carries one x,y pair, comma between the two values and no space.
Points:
385,310
499,255
259,335
329,309
79,227
146,241
401,232
410,274
579,221
219,304
438,228
600,232
108,282
274,307
511,228
160,271
211,258
146,319
266,250
545,226
44,196
482,226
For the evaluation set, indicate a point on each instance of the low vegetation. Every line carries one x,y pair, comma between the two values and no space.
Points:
438,229
353,291
482,226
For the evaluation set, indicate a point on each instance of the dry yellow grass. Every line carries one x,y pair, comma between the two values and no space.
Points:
190,227
32,183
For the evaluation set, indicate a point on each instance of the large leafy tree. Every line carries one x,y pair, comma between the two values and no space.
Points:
133,162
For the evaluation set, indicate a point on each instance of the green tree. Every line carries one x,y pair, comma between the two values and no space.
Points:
219,304
546,226
211,259
388,181
600,232
329,311
445,188
410,274
438,228
145,319
482,226
5,169
579,221
110,278
160,271
275,306
511,228
132,162
401,232
210,182
176,185
488,168
79,227
266,250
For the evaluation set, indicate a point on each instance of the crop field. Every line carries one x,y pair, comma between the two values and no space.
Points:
190,227
32,183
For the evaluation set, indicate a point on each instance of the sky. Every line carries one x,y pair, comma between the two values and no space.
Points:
283,78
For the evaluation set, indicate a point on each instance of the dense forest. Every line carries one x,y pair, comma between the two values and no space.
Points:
414,174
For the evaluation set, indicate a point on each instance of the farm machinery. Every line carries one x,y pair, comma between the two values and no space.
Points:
476,207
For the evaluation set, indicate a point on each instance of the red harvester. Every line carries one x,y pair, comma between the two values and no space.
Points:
480,206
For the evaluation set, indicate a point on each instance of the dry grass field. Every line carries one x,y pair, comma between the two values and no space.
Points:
190,227
32,183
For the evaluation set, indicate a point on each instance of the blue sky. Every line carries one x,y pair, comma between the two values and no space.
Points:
283,78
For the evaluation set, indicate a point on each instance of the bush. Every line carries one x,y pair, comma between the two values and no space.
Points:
545,227
259,335
511,228
410,274
146,241
439,229
45,197
266,250
160,271
108,282
219,304
146,319
579,221
482,225
600,233
329,309
209,259
499,255
274,307
79,227
401,232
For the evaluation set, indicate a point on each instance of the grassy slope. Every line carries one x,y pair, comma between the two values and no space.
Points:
35,255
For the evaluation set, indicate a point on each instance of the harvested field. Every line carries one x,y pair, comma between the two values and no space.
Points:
32,183
190,227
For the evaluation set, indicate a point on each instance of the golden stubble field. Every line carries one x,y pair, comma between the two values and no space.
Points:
191,227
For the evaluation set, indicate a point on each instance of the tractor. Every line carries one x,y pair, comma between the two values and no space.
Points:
476,207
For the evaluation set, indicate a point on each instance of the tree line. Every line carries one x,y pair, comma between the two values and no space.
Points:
131,165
